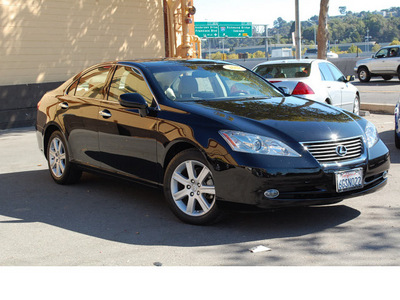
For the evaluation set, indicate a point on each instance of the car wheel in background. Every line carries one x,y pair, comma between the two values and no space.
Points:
356,106
363,74
397,140
61,169
189,188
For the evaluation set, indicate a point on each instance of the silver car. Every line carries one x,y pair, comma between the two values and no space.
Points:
312,79
385,63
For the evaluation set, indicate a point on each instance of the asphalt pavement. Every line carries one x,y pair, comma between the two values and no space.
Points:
104,222
378,95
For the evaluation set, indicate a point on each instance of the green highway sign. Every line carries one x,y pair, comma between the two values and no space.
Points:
223,29
206,29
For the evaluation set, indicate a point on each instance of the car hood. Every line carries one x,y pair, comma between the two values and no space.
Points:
363,61
287,118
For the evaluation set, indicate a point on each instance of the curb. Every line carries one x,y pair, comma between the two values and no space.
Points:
378,108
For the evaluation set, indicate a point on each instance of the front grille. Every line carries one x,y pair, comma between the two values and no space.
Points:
337,150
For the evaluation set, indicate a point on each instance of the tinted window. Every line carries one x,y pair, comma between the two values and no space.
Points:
92,83
382,53
284,70
72,88
326,74
337,75
394,52
128,80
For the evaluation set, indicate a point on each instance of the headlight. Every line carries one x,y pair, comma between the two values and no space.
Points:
256,144
372,134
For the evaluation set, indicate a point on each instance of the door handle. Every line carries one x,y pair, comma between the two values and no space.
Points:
63,105
105,114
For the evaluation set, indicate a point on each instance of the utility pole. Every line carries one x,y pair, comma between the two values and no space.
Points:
367,37
297,34
266,42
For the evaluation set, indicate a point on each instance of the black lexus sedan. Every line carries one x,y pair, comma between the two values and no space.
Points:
209,133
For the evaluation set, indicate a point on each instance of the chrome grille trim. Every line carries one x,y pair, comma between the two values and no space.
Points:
325,151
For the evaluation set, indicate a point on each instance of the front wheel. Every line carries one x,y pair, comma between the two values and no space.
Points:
363,74
61,169
190,190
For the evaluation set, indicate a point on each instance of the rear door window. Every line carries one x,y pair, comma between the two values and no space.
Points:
92,83
337,75
326,74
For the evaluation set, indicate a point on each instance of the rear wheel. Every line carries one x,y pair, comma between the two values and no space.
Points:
363,74
189,188
61,169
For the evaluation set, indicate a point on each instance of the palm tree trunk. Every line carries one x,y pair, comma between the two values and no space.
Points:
322,36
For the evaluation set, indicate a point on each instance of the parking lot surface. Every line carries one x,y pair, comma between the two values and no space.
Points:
101,221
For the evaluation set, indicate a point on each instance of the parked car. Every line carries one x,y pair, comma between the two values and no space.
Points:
210,133
385,63
313,53
312,79
397,125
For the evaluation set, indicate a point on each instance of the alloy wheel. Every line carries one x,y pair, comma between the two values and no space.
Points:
192,188
57,157
356,109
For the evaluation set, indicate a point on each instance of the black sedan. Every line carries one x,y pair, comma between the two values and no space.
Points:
210,133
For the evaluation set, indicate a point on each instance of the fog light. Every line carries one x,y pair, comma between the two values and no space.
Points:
385,175
272,193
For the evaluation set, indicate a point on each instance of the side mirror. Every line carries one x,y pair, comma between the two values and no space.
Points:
373,56
350,78
135,100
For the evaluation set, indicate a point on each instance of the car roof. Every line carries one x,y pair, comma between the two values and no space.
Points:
392,46
291,61
155,61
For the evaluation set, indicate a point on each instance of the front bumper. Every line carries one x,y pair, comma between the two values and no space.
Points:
297,187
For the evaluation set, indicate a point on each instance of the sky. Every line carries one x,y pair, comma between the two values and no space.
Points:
267,11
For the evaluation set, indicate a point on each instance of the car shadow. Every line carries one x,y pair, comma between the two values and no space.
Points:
130,213
377,82
388,138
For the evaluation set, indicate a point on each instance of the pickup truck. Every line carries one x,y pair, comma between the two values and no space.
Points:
385,63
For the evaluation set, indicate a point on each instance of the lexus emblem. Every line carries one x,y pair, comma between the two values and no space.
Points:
341,150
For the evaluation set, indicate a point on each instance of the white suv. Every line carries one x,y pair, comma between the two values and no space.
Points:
385,63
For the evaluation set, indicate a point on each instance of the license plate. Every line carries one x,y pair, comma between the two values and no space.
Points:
349,180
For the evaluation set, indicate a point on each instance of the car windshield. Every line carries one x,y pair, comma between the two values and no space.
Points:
284,70
187,81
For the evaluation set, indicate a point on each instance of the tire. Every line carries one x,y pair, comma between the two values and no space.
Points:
61,169
396,140
356,106
191,195
363,74
387,77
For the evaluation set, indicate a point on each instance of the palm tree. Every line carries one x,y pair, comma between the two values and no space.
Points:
322,36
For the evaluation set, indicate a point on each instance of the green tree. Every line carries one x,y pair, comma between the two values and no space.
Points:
395,42
258,54
354,49
376,47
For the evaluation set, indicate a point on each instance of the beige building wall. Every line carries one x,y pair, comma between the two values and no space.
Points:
51,40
